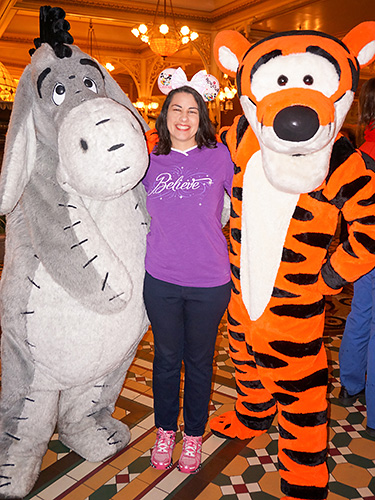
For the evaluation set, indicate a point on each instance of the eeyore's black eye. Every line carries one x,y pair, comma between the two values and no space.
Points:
90,84
308,80
282,80
58,95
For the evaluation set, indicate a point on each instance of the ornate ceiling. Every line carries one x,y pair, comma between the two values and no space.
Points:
136,67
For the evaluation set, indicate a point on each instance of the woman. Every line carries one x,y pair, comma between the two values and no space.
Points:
187,283
357,350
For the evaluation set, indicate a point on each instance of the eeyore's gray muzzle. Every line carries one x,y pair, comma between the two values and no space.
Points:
100,144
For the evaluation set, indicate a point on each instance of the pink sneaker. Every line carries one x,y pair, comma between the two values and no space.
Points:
190,459
161,456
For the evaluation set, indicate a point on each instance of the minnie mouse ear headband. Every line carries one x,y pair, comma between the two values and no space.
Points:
207,85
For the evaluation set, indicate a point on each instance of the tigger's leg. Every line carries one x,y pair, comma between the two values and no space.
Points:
255,407
300,389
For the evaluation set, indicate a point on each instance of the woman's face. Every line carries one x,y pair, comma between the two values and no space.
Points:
183,121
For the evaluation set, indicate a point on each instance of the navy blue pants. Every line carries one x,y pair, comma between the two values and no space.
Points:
357,350
184,322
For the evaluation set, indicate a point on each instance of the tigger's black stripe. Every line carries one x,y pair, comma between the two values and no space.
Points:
355,75
331,277
306,419
281,465
367,221
236,234
231,249
283,294
268,361
252,384
292,256
249,349
232,349
239,336
348,249
263,60
285,434
299,310
299,33
237,170
239,391
259,424
237,362
307,458
308,492
235,271
319,196
296,349
232,321
258,407
316,379
366,241
223,137
284,399
369,161
238,82
233,213
302,278
237,193
320,240
349,190
313,49
302,214
341,151
368,202
242,126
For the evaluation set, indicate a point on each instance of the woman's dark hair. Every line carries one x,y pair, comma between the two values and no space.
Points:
205,135
367,102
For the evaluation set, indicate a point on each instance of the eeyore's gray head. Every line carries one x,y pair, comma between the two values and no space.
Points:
57,81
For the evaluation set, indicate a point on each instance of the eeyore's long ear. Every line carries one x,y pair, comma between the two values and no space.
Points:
115,92
20,146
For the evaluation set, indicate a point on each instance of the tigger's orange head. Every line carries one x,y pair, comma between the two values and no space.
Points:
295,89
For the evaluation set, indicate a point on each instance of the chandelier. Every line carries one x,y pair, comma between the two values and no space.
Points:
7,85
164,40
227,94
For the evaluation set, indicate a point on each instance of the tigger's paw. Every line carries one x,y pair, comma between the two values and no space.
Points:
228,426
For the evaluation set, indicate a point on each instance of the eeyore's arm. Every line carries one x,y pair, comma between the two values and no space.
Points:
86,268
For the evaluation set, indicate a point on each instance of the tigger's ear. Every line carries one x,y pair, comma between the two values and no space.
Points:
229,47
361,42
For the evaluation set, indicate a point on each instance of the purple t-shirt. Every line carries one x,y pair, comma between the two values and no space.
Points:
185,195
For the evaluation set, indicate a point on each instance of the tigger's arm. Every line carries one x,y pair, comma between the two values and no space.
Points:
351,188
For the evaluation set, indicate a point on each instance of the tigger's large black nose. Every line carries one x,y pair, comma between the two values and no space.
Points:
296,123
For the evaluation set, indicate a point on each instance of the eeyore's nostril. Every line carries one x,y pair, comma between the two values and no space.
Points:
116,146
84,145
296,123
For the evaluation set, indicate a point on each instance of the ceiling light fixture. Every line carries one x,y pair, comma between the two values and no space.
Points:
164,40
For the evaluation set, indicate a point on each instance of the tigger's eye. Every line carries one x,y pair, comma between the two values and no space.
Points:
282,80
308,80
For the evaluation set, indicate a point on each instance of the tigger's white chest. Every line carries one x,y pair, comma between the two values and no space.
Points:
266,214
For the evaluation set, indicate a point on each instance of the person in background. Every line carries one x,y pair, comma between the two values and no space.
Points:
357,350
187,284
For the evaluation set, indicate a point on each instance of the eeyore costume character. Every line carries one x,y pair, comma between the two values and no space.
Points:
72,312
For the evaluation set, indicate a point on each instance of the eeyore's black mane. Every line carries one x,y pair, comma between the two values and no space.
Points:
54,30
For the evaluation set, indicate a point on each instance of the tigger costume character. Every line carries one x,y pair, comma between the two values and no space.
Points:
295,89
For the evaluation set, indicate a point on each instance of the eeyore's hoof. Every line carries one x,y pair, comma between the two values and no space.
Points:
95,439
18,476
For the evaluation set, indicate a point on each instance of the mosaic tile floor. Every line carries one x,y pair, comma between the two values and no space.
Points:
231,469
